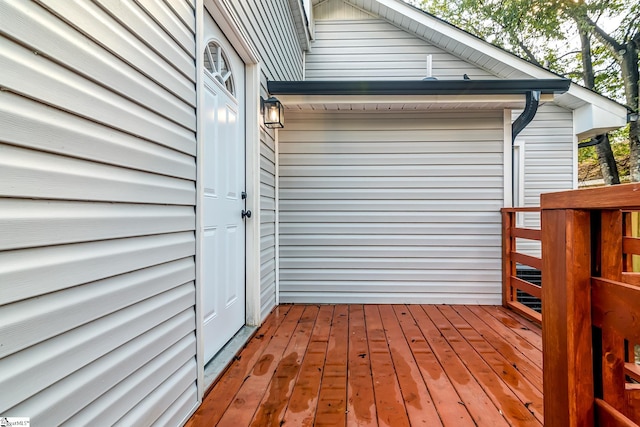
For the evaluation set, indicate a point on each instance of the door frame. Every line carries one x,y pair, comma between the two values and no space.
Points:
229,24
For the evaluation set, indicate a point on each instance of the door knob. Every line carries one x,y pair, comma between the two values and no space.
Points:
246,214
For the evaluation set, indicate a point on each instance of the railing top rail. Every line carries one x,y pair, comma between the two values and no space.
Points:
523,209
625,196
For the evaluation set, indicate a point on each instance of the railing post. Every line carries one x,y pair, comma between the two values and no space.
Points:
566,318
508,268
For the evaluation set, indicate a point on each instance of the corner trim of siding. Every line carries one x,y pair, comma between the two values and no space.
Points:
508,159
200,362
574,166
277,219
252,168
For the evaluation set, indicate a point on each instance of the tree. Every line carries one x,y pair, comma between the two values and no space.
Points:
535,29
624,47
608,165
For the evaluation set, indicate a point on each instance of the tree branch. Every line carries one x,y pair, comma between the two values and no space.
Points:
573,52
636,40
627,35
528,52
608,41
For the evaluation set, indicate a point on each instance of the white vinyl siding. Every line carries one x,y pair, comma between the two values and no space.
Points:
436,32
267,222
338,10
271,27
391,207
97,196
548,160
376,50
549,151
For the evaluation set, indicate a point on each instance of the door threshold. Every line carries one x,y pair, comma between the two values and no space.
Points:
224,357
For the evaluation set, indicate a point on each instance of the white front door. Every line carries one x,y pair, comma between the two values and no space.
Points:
224,181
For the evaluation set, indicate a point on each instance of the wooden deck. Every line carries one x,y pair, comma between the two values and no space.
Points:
383,365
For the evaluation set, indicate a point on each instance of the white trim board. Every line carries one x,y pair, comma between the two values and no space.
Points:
508,159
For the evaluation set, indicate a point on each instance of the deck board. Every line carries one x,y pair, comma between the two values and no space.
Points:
361,410
382,365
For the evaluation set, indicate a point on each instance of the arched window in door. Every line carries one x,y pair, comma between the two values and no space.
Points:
216,63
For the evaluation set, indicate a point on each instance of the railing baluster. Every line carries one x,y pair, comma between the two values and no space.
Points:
508,267
511,284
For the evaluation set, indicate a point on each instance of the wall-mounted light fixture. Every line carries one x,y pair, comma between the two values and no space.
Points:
272,112
632,117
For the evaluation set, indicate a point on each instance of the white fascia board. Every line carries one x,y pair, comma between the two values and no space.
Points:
602,102
300,20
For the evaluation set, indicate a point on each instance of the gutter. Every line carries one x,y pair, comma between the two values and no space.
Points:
418,87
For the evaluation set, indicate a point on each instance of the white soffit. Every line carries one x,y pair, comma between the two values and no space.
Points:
404,102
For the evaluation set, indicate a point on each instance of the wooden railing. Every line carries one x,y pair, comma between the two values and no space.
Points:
590,308
511,258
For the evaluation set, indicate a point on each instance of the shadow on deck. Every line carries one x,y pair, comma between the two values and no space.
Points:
386,365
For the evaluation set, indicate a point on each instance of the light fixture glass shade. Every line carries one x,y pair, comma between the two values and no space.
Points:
273,113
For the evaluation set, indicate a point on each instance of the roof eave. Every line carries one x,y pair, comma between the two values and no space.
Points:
419,87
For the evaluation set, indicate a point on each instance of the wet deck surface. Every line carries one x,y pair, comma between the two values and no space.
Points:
383,365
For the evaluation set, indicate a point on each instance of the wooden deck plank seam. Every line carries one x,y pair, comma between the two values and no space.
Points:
431,408
466,417
506,332
464,380
292,348
501,367
523,364
491,383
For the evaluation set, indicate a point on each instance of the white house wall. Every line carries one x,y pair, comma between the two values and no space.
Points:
270,26
549,152
391,207
373,49
267,223
97,196
338,9
354,44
